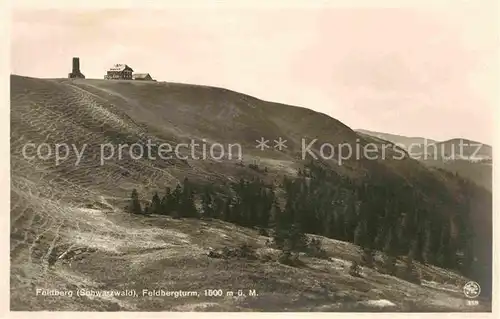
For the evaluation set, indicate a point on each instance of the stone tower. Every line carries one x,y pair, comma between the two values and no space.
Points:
75,73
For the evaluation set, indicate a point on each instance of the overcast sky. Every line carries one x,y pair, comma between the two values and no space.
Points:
417,71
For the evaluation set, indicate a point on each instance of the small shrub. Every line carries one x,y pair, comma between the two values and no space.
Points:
263,232
355,269
175,214
314,249
290,239
368,258
214,254
244,251
266,258
411,273
290,259
285,258
390,265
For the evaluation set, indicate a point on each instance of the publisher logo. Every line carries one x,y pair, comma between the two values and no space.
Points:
472,289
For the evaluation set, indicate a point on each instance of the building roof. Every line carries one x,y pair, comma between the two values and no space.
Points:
119,67
140,75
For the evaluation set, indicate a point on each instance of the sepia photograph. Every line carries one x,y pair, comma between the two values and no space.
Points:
302,156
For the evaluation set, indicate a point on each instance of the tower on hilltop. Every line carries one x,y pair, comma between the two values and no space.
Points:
75,73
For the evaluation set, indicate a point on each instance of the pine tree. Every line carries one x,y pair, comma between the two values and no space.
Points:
467,267
368,257
390,250
413,251
288,235
427,253
444,253
275,214
340,227
176,195
329,229
156,207
187,206
147,209
207,204
135,204
379,241
411,274
166,202
351,218
175,202
218,208
466,238
297,241
390,245
360,235
291,240
236,216
227,215
390,265
268,201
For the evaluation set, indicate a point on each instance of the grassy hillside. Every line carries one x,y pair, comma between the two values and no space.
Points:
76,204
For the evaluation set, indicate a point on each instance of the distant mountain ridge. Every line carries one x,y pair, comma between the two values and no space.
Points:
468,158
470,149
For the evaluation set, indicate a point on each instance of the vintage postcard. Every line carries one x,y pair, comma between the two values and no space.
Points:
306,156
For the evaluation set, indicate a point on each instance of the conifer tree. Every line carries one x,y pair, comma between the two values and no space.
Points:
340,227
427,253
413,252
444,258
360,235
227,214
390,265
166,202
218,207
156,207
390,247
467,266
135,204
411,274
379,241
351,219
207,203
176,195
329,229
268,201
276,213
432,241
390,250
368,257
296,240
147,209
175,202
187,206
